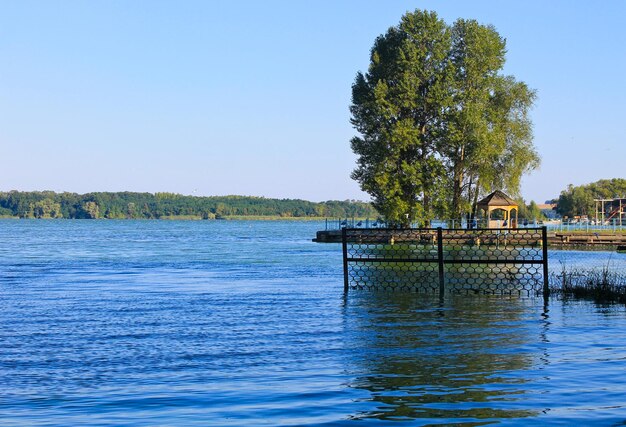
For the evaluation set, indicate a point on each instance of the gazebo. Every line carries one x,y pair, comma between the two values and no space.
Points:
498,201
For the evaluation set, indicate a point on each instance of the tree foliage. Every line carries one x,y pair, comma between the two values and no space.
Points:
530,212
438,124
579,201
47,204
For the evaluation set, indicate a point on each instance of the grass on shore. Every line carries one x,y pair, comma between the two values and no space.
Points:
604,232
274,218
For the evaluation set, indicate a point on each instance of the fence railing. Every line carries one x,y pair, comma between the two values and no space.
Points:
339,223
446,260
564,225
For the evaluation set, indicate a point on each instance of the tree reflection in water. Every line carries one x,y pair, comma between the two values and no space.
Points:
460,360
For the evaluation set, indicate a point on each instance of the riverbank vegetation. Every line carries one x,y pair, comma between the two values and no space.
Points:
123,205
603,285
129,205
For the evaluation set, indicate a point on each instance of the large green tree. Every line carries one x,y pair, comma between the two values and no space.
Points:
489,133
438,124
398,107
580,200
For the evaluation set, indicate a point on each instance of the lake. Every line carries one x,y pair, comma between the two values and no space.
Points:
233,323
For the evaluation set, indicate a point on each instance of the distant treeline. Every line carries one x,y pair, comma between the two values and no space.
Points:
48,204
580,200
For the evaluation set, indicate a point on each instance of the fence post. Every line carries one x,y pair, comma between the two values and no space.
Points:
344,243
544,244
440,259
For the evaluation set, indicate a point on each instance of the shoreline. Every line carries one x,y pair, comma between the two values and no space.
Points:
183,218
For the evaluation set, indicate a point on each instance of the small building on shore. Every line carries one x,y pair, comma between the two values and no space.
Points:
549,210
499,210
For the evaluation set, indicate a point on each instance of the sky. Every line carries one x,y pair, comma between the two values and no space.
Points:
252,98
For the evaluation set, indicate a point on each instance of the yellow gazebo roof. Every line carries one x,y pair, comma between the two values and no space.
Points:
497,199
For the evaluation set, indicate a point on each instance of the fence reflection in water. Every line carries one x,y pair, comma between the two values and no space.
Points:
446,260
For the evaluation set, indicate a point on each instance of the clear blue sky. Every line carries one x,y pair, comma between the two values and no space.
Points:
251,97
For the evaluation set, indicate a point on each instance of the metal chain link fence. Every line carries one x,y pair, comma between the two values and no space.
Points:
446,260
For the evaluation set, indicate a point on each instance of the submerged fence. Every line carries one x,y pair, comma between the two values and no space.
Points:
447,260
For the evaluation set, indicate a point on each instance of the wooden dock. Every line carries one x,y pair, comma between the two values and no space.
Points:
557,240
586,239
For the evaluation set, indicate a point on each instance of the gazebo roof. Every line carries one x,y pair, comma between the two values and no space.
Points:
497,198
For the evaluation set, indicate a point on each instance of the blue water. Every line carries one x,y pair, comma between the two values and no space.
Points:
232,323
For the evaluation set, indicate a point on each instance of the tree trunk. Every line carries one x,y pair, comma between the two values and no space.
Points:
475,201
427,212
457,184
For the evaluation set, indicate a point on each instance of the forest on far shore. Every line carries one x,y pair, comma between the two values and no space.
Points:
129,205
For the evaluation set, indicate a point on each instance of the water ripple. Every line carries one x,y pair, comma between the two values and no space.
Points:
244,323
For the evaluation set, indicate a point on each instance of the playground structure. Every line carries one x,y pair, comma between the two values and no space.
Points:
611,211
